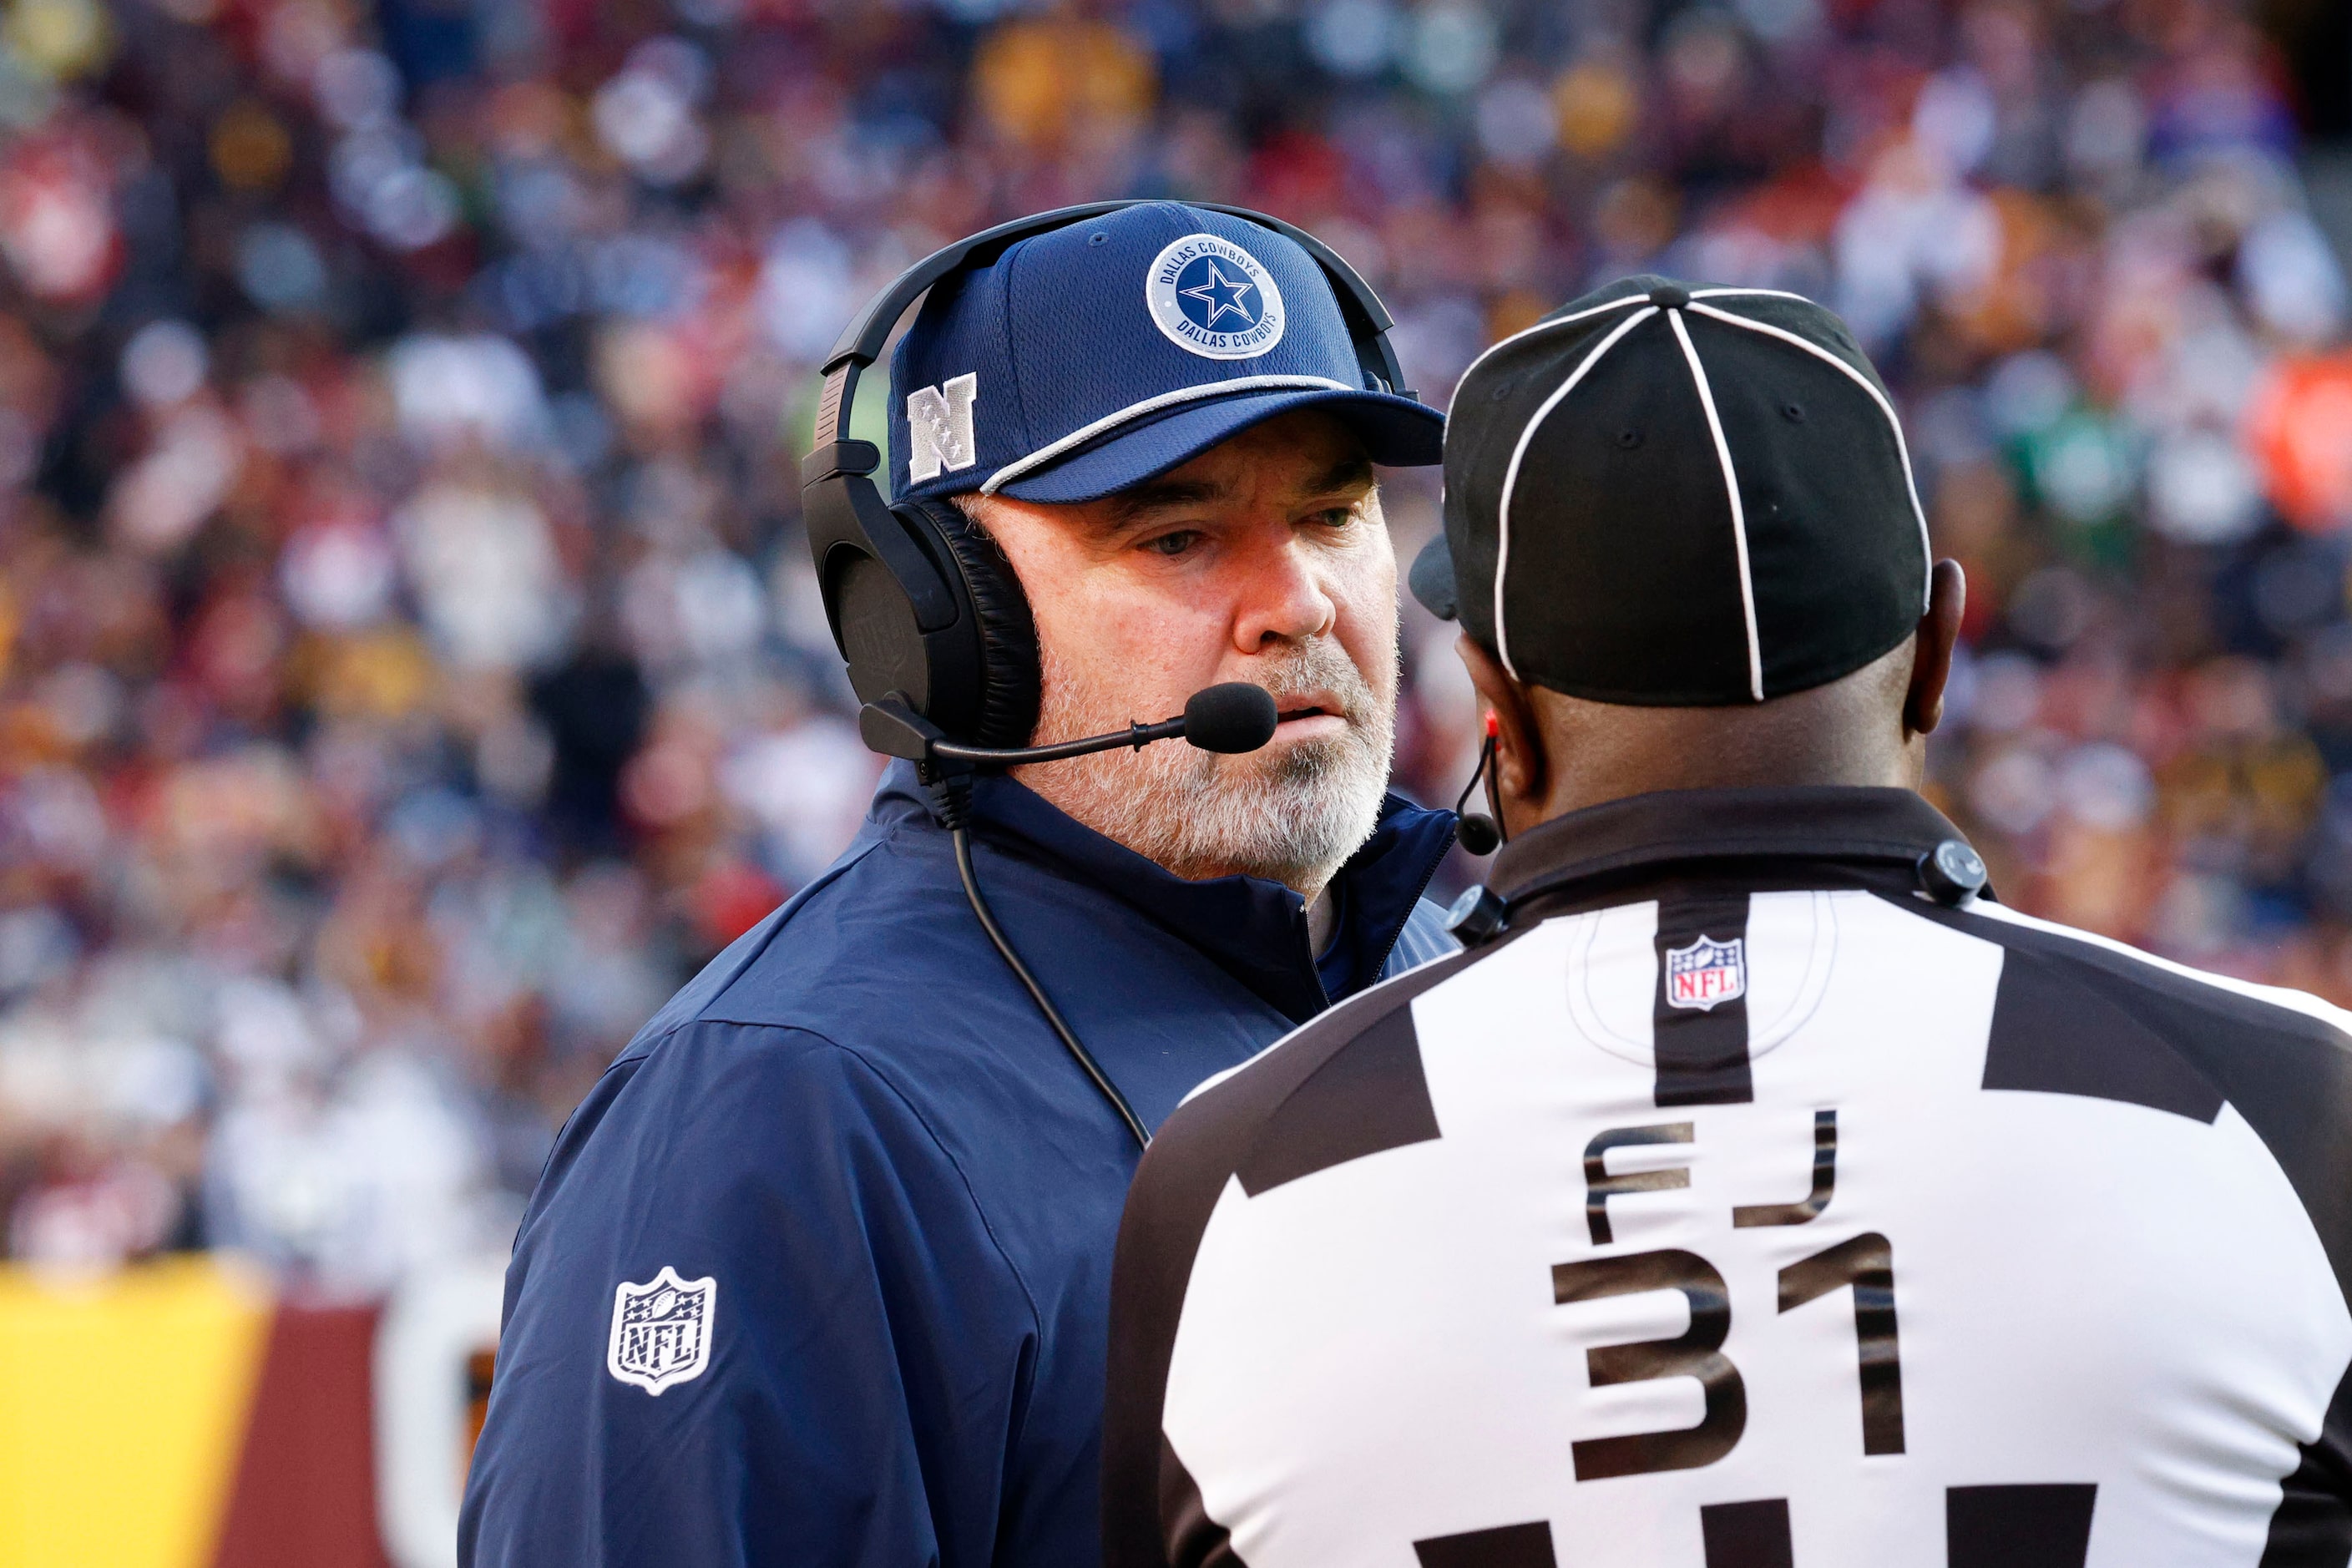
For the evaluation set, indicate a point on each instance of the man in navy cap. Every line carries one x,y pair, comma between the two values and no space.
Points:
817,1273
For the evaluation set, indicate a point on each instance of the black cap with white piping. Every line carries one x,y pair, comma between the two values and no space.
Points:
1666,495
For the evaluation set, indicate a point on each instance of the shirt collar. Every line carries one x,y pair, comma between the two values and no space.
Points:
1625,840
1252,929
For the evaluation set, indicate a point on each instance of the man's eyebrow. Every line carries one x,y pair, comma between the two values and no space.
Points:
1136,502
1353,469
1158,495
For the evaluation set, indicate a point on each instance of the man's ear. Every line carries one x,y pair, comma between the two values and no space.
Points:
1931,658
1522,769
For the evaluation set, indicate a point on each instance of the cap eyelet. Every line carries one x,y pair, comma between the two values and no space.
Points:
1794,413
1629,439
1098,237
1503,389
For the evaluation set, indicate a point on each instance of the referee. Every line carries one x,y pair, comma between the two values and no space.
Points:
1756,1192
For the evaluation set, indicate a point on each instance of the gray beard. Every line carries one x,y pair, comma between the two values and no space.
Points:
1291,817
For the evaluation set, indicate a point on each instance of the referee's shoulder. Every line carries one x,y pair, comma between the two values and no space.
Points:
1344,1066
2110,963
2080,1014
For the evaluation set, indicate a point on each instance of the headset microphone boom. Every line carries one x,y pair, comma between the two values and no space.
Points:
1230,719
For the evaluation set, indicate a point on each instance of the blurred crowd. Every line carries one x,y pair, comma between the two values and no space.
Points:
410,668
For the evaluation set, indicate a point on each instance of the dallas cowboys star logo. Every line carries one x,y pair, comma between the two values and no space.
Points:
1209,296
1220,294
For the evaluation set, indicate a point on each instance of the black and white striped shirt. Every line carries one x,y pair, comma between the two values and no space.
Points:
1741,1206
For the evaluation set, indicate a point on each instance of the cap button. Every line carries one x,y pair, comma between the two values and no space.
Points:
1670,297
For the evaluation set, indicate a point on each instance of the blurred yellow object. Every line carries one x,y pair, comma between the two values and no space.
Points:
251,151
382,674
1059,81
61,38
1597,101
122,1412
1514,312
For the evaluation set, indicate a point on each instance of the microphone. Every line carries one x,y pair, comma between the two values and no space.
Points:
1230,719
1477,833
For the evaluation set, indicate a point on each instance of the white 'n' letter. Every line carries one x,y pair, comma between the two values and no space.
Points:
939,425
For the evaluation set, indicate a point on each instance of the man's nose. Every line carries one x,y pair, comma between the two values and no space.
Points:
1282,599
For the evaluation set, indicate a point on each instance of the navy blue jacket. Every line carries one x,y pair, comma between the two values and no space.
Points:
856,1124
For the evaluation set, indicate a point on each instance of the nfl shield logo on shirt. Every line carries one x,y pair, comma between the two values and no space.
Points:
1706,972
661,1330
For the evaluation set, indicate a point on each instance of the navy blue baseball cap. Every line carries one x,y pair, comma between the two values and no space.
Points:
1093,356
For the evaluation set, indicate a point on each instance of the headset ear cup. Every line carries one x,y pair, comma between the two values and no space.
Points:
1009,673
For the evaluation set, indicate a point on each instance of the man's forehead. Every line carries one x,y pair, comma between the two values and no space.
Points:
1290,456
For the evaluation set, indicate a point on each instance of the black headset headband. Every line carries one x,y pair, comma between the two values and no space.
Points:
862,342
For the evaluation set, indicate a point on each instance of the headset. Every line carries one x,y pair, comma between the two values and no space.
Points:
941,647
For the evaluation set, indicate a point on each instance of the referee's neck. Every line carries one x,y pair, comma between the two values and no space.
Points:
1850,731
1555,753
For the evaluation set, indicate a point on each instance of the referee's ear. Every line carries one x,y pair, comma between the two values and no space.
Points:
1521,791
1931,657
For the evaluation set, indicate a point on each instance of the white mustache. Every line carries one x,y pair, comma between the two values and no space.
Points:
1320,670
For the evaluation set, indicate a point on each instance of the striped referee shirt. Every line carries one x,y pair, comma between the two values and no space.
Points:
1742,1206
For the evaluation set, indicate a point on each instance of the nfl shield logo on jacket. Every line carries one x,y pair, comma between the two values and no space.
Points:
661,1330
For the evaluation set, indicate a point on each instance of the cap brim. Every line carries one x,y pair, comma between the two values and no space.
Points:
1396,431
1431,579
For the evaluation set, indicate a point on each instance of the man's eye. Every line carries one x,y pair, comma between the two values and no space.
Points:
1175,543
1334,516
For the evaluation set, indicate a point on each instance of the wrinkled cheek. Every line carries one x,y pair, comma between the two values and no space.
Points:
1114,657
1372,631
1083,696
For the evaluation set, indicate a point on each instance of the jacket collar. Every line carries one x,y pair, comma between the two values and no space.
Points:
1628,841
1252,929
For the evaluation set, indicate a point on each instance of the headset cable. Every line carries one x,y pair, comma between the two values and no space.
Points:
962,836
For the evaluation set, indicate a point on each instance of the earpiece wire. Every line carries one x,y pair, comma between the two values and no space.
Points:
962,836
